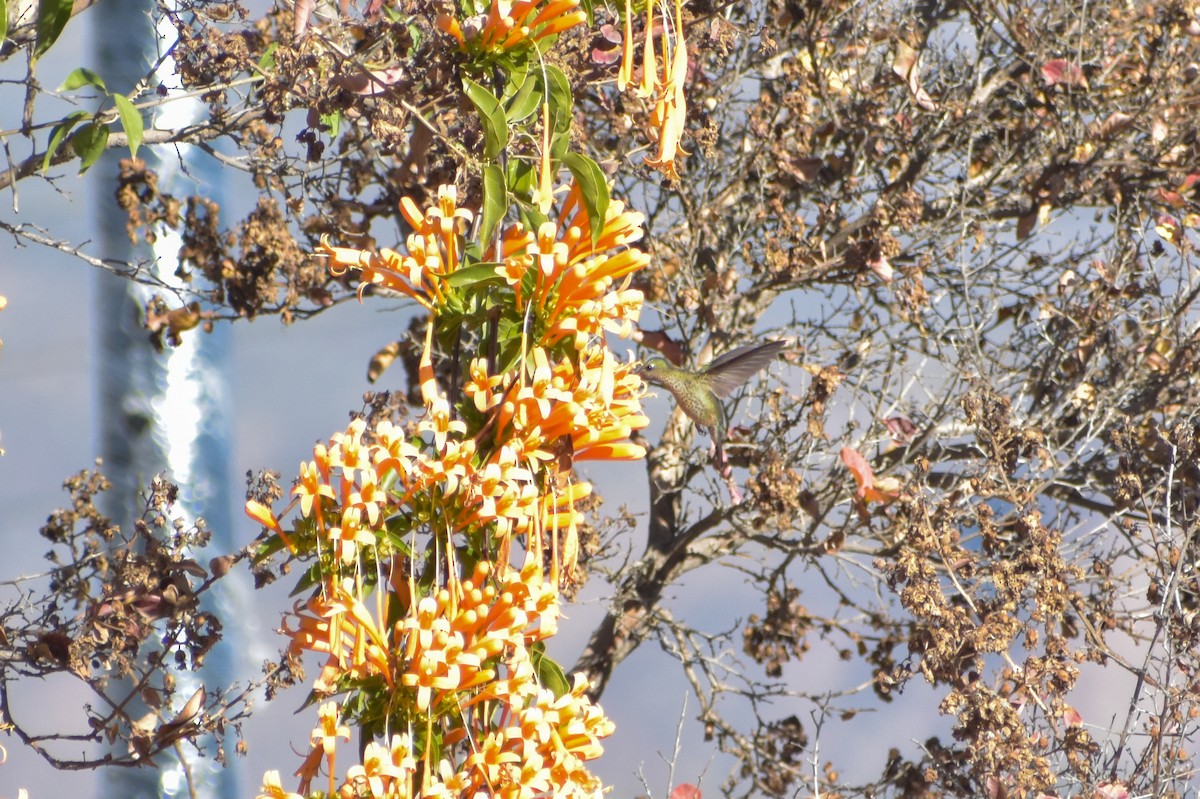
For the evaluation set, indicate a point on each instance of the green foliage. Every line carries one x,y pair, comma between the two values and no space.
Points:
80,77
89,143
550,674
522,94
52,17
558,95
495,201
491,115
593,189
131,120
58,134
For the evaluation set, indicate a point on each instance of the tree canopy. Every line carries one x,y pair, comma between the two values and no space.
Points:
978,454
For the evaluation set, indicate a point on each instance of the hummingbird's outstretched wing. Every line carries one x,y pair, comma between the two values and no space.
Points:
734,368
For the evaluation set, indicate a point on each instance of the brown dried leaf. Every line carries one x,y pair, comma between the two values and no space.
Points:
904,64
1025,225
1115,123
805,170
382,360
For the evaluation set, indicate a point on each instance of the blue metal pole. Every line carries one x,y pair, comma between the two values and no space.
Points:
161,412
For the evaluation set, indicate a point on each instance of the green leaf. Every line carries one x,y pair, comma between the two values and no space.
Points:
416,35
267,61
58,133
509,350
333,122
593,188
515,78
3,21
472,275
495,201
524,101
89,143
561,103
310,578
495,128
80,77
131,121
521,178
272,544
532,217
52,17
560,145
550,674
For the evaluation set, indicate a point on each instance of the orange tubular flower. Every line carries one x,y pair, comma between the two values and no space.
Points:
446,23
342,627
625,73
665,90
378,269
437,408
324,737
264,516
509,25
670,109
543,196
649,63
576,276
434,251
272,788
311,489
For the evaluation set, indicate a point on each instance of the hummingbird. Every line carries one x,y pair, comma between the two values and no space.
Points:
699,393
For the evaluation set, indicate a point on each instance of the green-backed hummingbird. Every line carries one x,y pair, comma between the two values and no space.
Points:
699,393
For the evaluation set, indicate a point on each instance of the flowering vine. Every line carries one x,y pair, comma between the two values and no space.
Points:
437,548
664,75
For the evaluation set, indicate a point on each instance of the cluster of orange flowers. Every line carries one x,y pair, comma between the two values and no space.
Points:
456,660
463,656
588,409
575,277
507,25
662,82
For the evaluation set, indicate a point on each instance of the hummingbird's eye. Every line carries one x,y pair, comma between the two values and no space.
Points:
648,367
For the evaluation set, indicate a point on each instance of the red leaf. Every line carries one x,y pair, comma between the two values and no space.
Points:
611,33
869,489
882,267
858,466
685,791
1171,198
901,429
373,82
304,9
669,348
1060,70
603,56
1111,790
